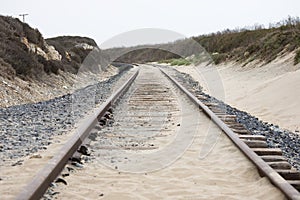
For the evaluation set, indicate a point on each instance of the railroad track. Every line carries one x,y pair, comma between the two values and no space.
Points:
126,135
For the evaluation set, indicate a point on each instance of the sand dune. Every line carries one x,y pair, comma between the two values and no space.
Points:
270,92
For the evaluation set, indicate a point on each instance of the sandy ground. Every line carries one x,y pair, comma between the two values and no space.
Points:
225,173
270,92
15,178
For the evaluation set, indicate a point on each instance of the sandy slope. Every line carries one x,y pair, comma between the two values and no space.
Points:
270,92
17,91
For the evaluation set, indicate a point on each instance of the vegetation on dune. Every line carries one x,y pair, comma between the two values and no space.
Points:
15,53
176,61
297,57
241,45
258,43
72,54
156,52
140,55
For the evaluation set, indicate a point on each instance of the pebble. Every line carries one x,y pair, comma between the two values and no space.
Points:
78,165
70,169
84,150
65,174
35,156
61,180
19,162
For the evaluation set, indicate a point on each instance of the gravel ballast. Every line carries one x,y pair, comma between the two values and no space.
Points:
27,128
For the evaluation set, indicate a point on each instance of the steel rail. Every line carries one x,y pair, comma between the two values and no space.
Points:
40,183
289,191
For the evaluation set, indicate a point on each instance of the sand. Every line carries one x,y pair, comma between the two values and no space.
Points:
15,178
225,173
270,92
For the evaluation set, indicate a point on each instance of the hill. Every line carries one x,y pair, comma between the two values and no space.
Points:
257,44
241,45
26,54
36,69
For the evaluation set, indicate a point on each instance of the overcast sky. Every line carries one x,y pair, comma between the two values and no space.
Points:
102,20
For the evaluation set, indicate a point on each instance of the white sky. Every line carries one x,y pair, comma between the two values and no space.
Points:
101,20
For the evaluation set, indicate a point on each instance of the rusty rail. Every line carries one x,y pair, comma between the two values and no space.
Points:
40,183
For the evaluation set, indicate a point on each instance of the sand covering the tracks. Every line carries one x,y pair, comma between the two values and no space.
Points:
270,92
16,177
224,174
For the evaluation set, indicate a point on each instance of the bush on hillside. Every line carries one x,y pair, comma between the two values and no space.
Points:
297,57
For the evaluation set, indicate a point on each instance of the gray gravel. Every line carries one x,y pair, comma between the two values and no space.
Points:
25,129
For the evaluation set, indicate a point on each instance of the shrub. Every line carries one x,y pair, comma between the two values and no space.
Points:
219,57
180,61
297,57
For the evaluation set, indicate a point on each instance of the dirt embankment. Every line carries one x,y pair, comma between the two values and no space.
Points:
18,91
34,69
